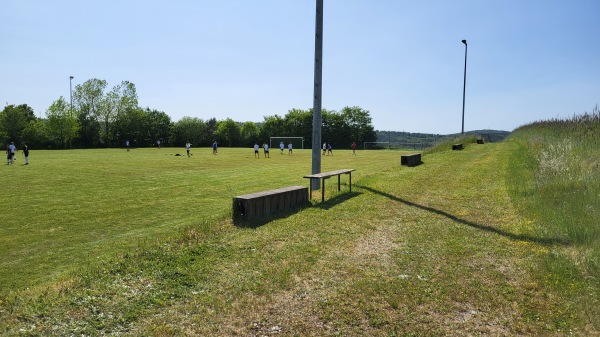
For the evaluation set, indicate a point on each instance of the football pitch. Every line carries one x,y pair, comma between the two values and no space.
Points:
70,208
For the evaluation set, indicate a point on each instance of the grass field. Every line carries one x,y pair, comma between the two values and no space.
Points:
70,208
109,242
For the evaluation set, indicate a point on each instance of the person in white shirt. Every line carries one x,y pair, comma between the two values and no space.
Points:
290,148
282,146
256,154
187,148
266,147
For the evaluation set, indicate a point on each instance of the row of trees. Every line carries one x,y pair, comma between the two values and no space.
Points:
100,118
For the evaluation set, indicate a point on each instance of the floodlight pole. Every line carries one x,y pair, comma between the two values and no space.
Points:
71,90
317,118
464,88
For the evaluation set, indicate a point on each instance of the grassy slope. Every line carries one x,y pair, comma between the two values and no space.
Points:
437,249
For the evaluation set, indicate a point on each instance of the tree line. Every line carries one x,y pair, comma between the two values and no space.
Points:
96,117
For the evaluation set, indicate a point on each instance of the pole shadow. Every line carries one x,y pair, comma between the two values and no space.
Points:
512,236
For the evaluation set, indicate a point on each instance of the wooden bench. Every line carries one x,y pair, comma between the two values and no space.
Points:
457,147
262,204
326,175
411,160
479,141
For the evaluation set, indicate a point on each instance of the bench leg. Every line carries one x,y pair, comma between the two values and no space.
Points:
339,176
323,190
350,183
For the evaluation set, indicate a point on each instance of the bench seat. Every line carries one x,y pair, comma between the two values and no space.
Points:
265,203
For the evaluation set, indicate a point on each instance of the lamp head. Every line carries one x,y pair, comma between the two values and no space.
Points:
464,41
72,77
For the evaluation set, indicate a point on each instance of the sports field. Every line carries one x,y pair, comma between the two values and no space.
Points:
70,208
140,243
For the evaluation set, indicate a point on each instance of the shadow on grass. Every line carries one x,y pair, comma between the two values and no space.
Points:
335,200
518,237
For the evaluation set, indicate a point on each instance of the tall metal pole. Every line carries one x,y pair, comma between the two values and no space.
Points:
464,88
71,90
317,118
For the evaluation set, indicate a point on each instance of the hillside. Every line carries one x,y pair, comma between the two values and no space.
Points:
409,140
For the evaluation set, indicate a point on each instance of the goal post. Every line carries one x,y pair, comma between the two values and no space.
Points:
376,145
297,142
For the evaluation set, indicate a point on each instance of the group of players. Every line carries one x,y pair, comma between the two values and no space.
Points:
266,149
11,150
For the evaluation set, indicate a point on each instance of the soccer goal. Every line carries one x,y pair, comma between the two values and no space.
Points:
377,145
297,142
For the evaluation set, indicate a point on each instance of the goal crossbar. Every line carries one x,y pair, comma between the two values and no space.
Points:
285,141
387,144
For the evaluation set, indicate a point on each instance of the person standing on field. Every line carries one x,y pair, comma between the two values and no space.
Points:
290,148
281,146
11,152
256,154
26,153
187,148
214,146
266,147
329,149
354,148
324,148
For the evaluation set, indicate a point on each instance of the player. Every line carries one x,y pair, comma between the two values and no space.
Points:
353,148
26,153
329,149
256,154
290,148
10,151
324,148
188,145
281,146
266,149
127,145
214,146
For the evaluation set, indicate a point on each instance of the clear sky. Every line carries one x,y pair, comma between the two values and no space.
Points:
402,61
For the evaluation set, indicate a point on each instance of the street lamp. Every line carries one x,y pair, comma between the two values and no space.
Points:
71,90
464,87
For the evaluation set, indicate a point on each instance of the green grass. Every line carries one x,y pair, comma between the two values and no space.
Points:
445,248
71,208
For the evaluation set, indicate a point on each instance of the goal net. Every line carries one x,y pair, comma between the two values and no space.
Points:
377,145
297,142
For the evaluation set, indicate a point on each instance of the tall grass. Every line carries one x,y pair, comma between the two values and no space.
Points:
560,192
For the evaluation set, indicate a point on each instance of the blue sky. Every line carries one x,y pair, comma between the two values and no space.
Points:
402,61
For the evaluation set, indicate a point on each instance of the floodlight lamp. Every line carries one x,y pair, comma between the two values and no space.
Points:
464,41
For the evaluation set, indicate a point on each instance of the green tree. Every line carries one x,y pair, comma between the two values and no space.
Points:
189,129
228,132
358,122
249,133
298,123
121,98
35,134
62,125
273,126
132,125
158,126
90,104
14,120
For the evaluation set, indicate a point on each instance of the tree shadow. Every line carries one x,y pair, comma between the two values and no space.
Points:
512,236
